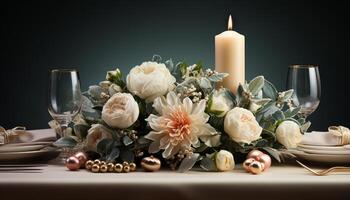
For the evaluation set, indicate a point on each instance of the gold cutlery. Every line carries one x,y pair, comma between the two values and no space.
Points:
326,171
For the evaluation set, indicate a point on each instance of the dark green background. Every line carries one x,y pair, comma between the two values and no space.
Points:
96,36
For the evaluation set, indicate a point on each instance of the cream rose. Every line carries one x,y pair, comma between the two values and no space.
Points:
120,111
288,133
241,125
220,103
224,161
150,80
96,133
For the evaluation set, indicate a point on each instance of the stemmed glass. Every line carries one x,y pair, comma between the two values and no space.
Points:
305,80
65,99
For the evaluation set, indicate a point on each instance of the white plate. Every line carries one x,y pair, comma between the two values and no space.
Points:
328,148
20,147
322,158
19,156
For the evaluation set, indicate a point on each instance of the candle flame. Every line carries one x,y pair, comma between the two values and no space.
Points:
229,26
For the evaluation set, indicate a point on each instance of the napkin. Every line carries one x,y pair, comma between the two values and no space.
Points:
335,136
21,135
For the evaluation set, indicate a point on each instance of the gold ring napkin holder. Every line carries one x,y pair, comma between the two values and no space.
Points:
342,132
13,135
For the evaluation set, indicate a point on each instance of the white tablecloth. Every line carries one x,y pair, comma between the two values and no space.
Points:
281,182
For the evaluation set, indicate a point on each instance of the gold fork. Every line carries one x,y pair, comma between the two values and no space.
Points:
326,171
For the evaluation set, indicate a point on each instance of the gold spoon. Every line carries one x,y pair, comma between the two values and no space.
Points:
326,171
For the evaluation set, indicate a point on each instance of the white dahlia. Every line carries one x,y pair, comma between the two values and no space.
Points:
179,125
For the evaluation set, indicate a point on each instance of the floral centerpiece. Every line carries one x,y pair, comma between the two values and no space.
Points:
176,113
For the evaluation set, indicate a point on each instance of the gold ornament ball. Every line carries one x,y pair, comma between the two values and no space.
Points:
150,164
132,167
118,167
126,168
97,162
95,168
110,167
82,157
103,168
89,164
266,160
246,164
256,167
72,163
103,163
125,163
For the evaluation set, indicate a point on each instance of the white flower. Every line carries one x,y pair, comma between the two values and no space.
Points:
113,89
288,133
120,111
241,125
150,80
179,125
220,103
96,133
224,161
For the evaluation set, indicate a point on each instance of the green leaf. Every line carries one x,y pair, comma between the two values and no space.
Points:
127,141
269,90
170,65
208,164
278,115
114,154
273,152
261,102
205,84
95,91
292,112
217,77
287,95
157,58
104,146
182,67
201,148
87,105
256,85
65,142
188,162
81,130
127,155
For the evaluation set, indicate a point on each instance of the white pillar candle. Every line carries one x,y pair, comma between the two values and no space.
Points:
230,57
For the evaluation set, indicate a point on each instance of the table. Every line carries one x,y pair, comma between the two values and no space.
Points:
280,182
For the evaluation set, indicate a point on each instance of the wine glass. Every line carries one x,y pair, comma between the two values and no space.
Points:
65,99
306,83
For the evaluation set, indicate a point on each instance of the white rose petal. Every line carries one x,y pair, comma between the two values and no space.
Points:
241,125
220,103
224,161
96,133
120,111
288,133
150,80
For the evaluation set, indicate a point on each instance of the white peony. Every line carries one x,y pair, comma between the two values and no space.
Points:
120,111
224,161
96,133
220,103
150,80
240,124
288,133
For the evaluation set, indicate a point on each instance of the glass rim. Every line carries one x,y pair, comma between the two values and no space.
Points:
63,70
303,66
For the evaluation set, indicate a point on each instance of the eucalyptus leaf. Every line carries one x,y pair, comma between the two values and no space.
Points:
95,91
256,85
217,77
269,90
188,162
292,112
87,105
273,152
127,141
114,154
127,155
81,130
104,146
170,65
208,164
157,58
287,95
261,102
65,142
278,115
